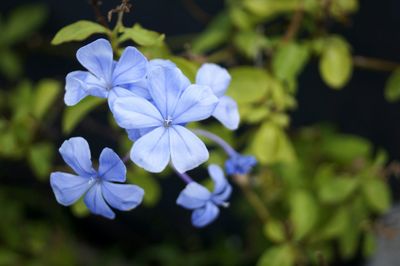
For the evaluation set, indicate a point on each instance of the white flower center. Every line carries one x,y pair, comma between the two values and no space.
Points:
167,122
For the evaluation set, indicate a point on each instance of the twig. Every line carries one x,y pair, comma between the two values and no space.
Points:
124,7
99,16
374,64
196,11
295,23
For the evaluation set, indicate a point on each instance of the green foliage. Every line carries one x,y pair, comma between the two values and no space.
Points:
141,36
78,31
303,213
282,255
392,87
146,181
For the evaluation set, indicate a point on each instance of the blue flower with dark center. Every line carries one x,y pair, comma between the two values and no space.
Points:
98,186
104,74
203,202
240,164
159,124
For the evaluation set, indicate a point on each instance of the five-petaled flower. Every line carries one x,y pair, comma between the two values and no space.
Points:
239,164
97,185
164,138
203,202
104,74
218,79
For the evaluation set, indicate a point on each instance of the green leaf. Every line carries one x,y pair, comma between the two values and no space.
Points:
345,148
142,36
40,159
188,68
271,145
250,43
10,64
79,209
377,194
337,189
78,31
303,213
337,224
274,230
216,34
392,87
336,64
283,255
248,84
44,96
146,181
289,60
22,21
74,114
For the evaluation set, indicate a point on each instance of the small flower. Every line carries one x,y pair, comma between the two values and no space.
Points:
240,164
97,185
174,103
204,203
104,74
218,79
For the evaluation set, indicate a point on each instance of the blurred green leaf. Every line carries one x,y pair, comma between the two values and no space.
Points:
146,181
274,230
369,244
40,159
74,114
79,208
282,255
337,224
303,213
45,94
188,68
336,64
216,33
392,87
10,64
337,189
351,147
248,84
22,21
78,31
250,43
377,194
141,36
289,60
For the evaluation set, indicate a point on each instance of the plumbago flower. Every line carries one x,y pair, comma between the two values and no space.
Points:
104,74
239,164
161,121
97,185
218,79
203,202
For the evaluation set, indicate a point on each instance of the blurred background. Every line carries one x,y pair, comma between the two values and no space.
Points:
325,133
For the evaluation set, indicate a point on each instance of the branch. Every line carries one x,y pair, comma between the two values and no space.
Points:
196,11
374,64
99,16
295,24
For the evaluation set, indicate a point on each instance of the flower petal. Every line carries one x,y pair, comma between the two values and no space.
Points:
123,197
136,112
217,175
161,63
95,202
215,77
166,84
139,88
111,167
204,216
187,150
152,151
75,89
194,196
97,57
68,188
76,154
131,67
135,134
196,103
118,92
227,112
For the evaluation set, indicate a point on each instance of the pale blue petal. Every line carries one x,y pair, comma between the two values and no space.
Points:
68,188
166,86
215,77
139,88
187,150
222,197
196,103
217,175
111,167
131,67
97,57
123,197
136,112
160,63
135,134
75,88
76,154
118,92
204,216
193,196
227,112
96,204
151,151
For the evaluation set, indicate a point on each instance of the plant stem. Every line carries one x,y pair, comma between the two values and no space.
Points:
374,64
185,177
295,23
99,16
222,143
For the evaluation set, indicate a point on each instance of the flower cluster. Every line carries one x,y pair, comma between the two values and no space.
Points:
153,101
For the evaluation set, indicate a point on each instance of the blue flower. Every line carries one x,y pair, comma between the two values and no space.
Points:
218,79
240,164
97,185
204,203
104,74
174,103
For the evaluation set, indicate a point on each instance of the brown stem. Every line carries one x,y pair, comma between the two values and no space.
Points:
321,260
196,11
99,16
295,23
374,64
